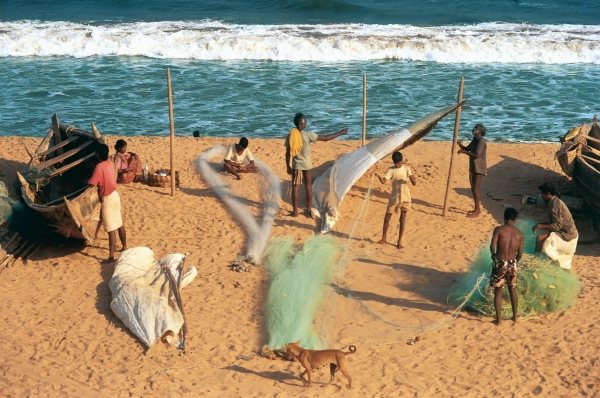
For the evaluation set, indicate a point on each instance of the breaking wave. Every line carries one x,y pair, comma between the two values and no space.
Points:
213,40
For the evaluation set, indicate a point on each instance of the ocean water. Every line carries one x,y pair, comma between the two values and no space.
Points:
531,67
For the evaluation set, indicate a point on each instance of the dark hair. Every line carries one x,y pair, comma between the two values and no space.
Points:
243,142
299,116
397,157
120,144
102,151
510,214
196,133
481,128
548,188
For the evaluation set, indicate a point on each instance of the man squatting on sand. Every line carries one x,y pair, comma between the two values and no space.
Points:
507,249
561,223
477,153
239,159
400,174
298,159
104,178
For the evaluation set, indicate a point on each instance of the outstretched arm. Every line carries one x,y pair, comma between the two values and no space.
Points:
332,136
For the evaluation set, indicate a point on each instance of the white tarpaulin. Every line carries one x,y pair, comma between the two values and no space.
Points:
330,188
142,296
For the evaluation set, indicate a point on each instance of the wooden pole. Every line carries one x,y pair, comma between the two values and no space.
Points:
454,142
172,123
364,131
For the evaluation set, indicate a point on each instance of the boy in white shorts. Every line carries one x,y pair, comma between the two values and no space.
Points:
400,198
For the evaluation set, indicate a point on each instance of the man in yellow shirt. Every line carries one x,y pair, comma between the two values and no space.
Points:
298,159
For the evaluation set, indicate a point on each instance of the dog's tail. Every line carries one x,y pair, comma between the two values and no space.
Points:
352,349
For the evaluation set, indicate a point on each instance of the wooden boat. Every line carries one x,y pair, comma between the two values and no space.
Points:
579,157
55,183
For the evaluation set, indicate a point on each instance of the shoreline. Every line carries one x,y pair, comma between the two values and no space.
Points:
61,337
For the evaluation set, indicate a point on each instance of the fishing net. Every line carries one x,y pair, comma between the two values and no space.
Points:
299,278
542,286
5,203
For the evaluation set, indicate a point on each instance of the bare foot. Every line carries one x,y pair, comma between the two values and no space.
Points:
293,214
514,319
473,214
307,213
382,242
399,245
496,322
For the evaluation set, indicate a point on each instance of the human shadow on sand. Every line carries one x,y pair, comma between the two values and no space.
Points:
507,181
396,301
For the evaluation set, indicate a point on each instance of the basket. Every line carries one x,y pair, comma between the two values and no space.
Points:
162,178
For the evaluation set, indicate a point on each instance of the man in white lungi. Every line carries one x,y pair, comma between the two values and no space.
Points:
104,178
559,239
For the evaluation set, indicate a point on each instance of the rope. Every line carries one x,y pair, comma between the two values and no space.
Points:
421,328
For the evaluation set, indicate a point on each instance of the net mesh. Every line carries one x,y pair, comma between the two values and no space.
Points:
542,286
299,277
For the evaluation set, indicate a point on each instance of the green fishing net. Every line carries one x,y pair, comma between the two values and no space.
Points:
299,278
542,286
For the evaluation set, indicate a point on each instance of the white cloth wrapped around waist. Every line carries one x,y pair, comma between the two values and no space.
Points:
111,212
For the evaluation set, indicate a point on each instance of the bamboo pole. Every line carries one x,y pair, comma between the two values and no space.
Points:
364,130
454,142
172,125
55,147
65,155
71,165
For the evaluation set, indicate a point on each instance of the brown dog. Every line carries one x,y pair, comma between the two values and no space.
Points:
313,359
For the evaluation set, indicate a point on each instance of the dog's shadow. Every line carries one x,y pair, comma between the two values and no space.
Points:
280,376
276,375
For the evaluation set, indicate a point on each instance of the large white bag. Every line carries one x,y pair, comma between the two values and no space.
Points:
142,297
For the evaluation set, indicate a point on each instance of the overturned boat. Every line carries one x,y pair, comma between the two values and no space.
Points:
579,158
55,182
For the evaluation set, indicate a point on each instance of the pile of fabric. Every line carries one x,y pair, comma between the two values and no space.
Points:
144,297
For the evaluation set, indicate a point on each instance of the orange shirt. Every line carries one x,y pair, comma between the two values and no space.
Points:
104,178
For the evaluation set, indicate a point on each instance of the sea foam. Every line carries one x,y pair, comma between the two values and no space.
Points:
213,40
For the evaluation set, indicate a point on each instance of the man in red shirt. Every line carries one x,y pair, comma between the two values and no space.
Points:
104,178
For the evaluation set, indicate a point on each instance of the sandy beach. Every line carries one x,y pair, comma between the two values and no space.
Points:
60,337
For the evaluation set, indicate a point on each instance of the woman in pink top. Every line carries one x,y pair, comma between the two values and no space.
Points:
127,164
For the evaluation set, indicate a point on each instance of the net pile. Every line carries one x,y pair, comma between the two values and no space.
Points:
542,286
299,278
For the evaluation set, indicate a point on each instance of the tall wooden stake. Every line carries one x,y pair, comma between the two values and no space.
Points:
172,123
364,131
454,142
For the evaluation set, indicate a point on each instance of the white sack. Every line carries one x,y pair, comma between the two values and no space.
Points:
142,297
558,249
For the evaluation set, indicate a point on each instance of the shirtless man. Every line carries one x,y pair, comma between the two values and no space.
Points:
507,250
